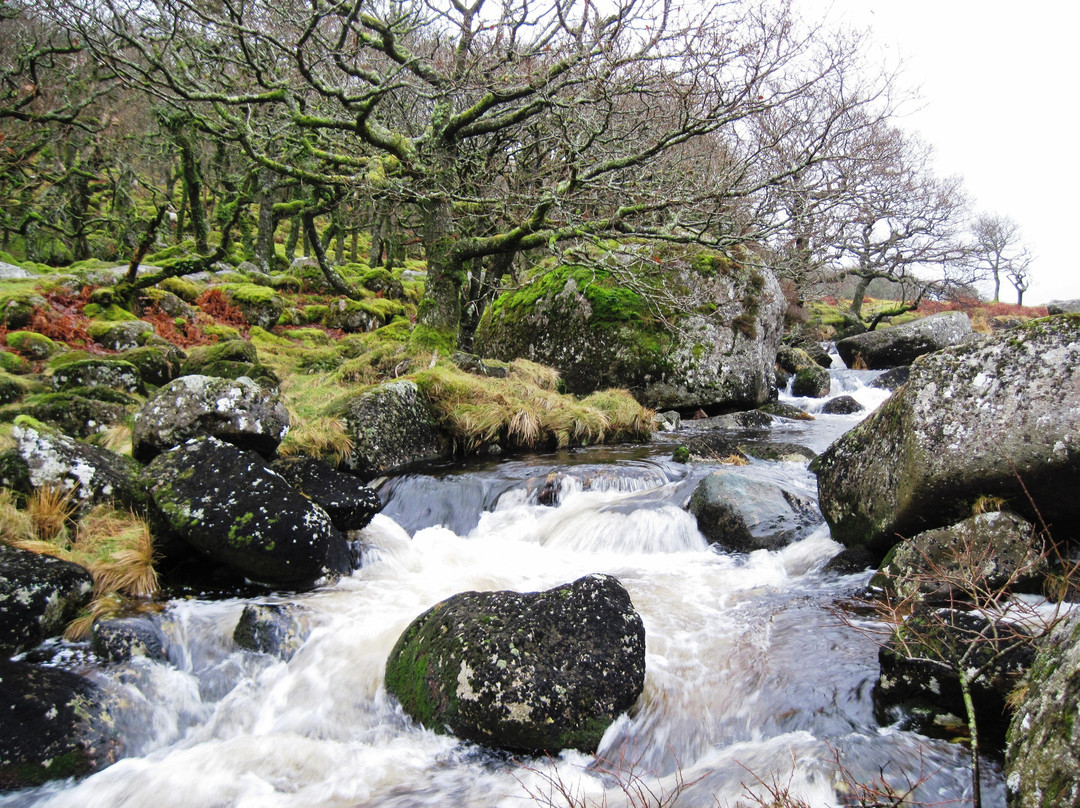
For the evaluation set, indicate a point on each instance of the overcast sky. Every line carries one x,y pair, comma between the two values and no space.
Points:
998,87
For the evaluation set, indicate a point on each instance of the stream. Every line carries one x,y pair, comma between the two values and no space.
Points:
752,680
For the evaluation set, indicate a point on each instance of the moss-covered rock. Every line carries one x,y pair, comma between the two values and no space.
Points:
17,309
261,305
715,344
75,413
13,363
391,426
812,381
157,364
119,335
535,672
112,373
233,350
32,345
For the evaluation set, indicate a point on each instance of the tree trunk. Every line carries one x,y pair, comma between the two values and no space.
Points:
439,318
997,284
858,296
193,190
295,226
1019,297
263,254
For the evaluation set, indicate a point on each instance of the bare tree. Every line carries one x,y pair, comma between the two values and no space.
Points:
997,251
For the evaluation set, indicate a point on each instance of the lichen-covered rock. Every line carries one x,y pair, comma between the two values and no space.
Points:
124,638
260,305
235,410
391,426
919,668
812,381
902,344
17,310
230,350
349,503
93,474
742,514
120,336
534,672
1042,756
39,596
227,503
972,420
53,724
992,551
719,350
841,405
79,416
32,345
1063,307
892,378
112,373
278,629
157,364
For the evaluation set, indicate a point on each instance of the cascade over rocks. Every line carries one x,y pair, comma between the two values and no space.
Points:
598,333
278,629
238,411
902,344
534,672
391,426
969,420
1042,755
39,595
742,514
227,503
53,724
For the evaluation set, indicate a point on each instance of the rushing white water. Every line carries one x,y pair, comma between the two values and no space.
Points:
751,680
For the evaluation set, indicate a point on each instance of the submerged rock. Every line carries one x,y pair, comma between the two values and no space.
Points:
39,596
278,629
997,417
902,344
535,672
841,405
227,503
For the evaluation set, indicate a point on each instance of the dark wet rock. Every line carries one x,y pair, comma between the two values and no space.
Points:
39,596
534,672
749,421
719,446
1042,756
974,420
791,359
841,405
784,410
349,503
112,373
278,629
124,638
53,724
392,425
892,378
902,344
228,504
238,411
95,475
778,451
1063,307
850,560
741,514
720,350
471,363
993,550
919,673
812,381
157,364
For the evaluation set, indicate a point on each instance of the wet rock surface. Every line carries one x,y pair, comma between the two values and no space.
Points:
39,595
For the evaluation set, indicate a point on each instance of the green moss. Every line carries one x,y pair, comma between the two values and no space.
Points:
222,332
252,294
32,344
186,290
13,363
426,338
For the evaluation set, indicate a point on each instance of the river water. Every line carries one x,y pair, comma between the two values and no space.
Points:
752,681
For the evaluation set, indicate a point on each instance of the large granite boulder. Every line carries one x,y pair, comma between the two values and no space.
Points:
716,347
902,344
1042,756
535,672
998,417
235,410
39,595
741,514
1063,307
228,504
390,426
93,475
115,374
349,503
53,724
121,639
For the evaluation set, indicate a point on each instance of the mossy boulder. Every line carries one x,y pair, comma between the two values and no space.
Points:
79,413
119,335
260,305
32,345
812,381
535,672
157,364
230,350
11,362
239,411
112,373
17,309
54,724
391,426
902,344
1042,755
39,595
997,417
715,344
229,505
359,315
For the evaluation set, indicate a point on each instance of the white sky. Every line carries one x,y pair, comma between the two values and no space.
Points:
998,83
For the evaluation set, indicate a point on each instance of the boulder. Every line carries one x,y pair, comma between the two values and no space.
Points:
349,503
260,305
998,417
900,345
812,381
32,345
715,348
122,639
115,374
1063,307
535,672
54,724
227,503
39,596
278,629
120,336
990,551
1042,753
238,411
742,514
841,405
669,421
892,378
919,668
93,474
157,364
80,416
391,426
231,350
